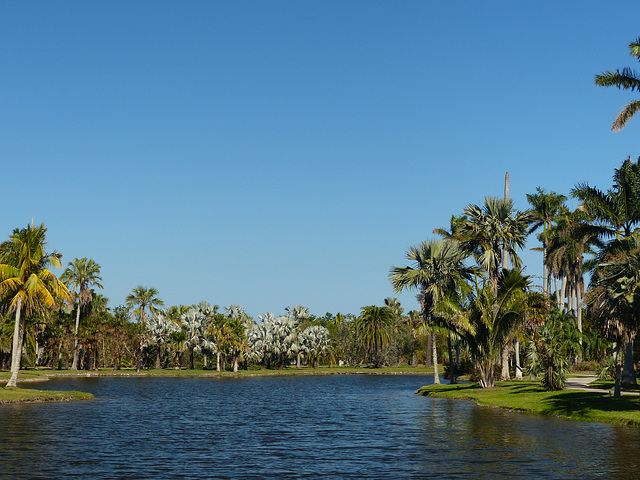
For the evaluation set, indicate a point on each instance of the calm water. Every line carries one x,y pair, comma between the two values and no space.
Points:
296,427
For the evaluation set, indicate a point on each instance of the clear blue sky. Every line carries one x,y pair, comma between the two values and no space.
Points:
269,153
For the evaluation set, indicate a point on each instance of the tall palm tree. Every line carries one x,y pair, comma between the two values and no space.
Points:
545,208
618,211
568,241
141,299
79,276
374,325
615,299
626,79
491,233
437,271
26,284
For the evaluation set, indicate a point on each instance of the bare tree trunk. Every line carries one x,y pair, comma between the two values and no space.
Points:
505,363
436,377
414,357
628,372
516,346
427,363
16,352
618,362
74,365
579,312
158,359
219,361
545,272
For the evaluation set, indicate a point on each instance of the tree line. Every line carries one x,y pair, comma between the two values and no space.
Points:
476,303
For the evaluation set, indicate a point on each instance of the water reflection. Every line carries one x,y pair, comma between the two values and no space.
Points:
296,427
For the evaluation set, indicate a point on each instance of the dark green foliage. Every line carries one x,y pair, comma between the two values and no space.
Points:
551,348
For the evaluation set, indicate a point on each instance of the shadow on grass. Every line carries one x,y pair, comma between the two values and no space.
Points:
585,403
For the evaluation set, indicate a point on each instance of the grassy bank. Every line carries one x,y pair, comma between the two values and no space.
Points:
529,397
28,395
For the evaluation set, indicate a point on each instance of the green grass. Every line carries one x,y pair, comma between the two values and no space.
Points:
529,397
28,395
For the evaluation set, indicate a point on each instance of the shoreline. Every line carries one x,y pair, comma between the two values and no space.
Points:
526,396
13,396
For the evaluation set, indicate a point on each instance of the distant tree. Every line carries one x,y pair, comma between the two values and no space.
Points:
80,275
141,299
26,284
374,325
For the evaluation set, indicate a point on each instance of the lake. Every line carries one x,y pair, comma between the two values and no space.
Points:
357,426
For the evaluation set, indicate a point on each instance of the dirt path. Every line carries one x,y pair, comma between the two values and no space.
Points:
582,383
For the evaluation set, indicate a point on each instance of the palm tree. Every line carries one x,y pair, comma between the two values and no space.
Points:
80,275
437,271
619,208
546,207
626,79
615,298
488,318
315,340
618,211
568,241
374,325
138,301
26,284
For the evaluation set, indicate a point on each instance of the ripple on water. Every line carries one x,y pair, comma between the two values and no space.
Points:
295,427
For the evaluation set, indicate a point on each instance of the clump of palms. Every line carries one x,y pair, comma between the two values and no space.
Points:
551,348
139,301
26,283
487,318
374,326
80,275
437,271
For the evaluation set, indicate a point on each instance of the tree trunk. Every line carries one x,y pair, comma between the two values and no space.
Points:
235,364
436,377
74,365
427,362
139,357
505,363
628,372
219,361
580,292
414,357
116,354
298,359
452,365
545,272
158,359
16,352
618,361
516,346
563,294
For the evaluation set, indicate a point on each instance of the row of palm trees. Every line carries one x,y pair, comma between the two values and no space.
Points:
470,282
